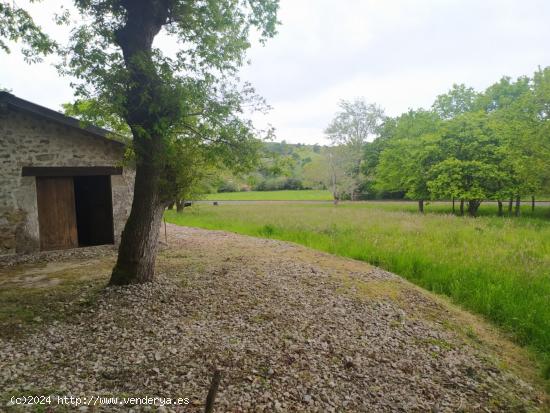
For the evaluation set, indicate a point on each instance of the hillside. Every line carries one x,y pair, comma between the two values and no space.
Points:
282,166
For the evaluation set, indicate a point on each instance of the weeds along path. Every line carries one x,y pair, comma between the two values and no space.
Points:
292,329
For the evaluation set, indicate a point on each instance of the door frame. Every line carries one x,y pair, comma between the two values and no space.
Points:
71,172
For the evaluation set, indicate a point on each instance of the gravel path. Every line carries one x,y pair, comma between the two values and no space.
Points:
291,330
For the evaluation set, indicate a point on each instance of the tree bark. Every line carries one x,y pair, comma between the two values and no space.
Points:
453,204
461,207
510,205
145,106
473,206
421,206
500,213
180,204
533,203
518,205
139,241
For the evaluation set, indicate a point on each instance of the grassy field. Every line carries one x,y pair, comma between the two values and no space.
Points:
301,195
497,267
304,195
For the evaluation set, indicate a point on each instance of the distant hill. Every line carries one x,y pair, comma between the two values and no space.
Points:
283,166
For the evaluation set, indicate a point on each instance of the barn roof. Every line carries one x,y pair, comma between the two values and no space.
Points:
14,102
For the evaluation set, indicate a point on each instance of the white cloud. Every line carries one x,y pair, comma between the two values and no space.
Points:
398,53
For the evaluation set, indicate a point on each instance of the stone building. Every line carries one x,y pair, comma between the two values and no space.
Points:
62,185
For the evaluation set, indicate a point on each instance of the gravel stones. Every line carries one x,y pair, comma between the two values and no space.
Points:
282,326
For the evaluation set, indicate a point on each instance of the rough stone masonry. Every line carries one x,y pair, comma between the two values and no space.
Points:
33,136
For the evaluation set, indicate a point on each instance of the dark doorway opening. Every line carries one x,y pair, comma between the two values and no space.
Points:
94,210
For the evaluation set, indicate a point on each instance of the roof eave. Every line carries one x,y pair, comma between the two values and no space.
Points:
46,113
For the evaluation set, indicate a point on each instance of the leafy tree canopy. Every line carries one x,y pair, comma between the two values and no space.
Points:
16,25
355,122
460,99
180,98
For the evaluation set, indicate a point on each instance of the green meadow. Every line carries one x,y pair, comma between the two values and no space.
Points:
498,267
302,195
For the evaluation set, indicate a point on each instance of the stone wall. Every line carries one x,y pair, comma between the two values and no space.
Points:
26,140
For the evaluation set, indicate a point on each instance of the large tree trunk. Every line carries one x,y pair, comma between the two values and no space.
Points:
500,213
180,204
146,113
510,205
453,204
421,206
533,203
461,207
473,206
518,205
138,245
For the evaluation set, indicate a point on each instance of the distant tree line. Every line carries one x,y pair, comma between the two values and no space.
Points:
468,147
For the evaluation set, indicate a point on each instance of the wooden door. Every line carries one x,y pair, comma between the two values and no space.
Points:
56,213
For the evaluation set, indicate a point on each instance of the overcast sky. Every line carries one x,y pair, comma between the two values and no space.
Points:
398,53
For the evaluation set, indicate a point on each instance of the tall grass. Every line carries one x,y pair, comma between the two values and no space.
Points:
497,267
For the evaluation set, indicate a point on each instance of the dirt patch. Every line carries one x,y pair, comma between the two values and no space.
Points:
41,257
49,274
292,330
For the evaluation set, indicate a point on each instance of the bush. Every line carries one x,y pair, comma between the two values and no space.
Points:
292,183
278,184
228,186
